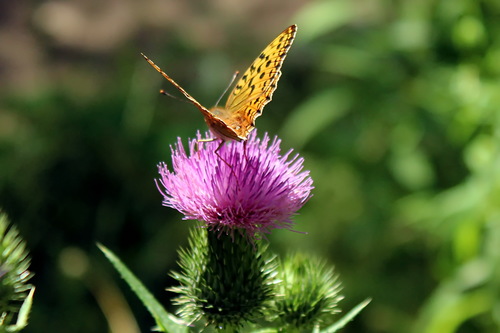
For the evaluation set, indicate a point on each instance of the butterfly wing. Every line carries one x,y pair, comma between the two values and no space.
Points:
250,94
256,86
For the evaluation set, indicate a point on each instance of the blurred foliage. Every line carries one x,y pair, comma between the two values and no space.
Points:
392,103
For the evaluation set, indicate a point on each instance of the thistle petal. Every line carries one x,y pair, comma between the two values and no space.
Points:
249,185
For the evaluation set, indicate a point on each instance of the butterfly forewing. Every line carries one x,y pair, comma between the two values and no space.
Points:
256,86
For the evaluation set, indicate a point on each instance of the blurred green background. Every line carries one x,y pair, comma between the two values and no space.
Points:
393,104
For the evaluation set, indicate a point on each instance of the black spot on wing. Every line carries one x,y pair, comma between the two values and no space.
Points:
250,82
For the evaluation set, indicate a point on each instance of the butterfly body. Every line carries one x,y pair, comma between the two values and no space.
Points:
225,125
251,93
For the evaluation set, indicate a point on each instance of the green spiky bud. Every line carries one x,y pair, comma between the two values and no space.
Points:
226,280
14,274
308,293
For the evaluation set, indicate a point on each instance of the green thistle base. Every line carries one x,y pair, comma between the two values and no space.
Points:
225,279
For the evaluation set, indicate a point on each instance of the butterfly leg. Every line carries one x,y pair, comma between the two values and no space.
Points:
223,160
205,140
245,151
218,148
222,142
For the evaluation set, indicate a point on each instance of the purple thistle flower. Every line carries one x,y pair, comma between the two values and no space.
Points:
247,186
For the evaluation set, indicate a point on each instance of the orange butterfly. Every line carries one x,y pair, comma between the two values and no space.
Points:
251,93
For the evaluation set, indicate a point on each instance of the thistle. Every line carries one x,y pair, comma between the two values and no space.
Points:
239,191
246,186
308,293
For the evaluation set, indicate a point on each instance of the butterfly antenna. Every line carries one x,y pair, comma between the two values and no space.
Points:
163,92
235,75
177,86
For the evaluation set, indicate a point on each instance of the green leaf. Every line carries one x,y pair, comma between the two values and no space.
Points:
347,318
165,321
24,311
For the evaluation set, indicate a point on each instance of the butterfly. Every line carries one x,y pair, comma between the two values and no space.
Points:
251,93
